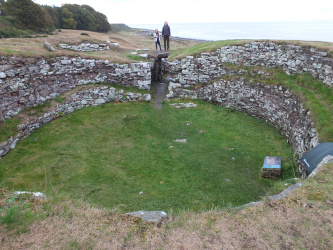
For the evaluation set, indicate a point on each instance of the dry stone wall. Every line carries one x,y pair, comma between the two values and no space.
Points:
79,100
275,105
26,82
293,59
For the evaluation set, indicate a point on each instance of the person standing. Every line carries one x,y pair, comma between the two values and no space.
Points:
166,33
157,38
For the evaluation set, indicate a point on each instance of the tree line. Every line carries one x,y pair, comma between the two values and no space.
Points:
25,14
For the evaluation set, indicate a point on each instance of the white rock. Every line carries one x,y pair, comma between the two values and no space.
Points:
180,140
36,194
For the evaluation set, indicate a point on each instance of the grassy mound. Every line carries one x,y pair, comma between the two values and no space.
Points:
124,155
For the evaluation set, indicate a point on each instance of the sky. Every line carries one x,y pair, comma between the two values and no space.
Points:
205,11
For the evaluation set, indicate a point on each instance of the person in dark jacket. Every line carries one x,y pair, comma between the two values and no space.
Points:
166,33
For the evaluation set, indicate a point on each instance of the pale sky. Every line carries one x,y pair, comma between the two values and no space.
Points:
202,11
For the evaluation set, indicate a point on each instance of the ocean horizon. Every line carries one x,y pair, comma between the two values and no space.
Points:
296,30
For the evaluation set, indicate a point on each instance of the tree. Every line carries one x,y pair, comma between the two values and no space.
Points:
101,21
67,19
52,16
2,6
87,18
26,14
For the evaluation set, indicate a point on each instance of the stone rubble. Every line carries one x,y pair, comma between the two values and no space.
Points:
87,47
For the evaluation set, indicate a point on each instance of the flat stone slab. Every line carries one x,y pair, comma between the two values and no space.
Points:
150,216
162,55
184,105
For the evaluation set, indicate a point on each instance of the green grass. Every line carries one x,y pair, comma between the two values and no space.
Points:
59,99
8,128
109,154
136,58
16,213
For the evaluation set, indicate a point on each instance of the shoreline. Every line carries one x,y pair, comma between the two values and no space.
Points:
148,32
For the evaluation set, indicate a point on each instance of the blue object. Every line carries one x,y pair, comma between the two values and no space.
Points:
272,162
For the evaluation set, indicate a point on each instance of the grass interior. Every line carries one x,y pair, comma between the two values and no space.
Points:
109,154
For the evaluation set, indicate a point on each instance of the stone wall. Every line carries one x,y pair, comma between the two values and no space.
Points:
86,47
26,82
79,100
274,105
293,59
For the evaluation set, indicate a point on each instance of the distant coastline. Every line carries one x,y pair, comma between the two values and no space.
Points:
148,32
301,30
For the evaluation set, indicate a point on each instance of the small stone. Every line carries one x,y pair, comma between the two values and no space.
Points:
149,216
180,140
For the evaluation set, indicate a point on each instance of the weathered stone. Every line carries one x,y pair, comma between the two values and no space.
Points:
53,76
48,46
149,216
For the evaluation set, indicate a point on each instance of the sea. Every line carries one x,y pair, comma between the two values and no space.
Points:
297,30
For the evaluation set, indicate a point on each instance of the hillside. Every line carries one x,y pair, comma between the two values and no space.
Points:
303,219
127,38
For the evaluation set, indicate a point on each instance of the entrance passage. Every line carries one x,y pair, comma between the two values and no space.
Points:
159,84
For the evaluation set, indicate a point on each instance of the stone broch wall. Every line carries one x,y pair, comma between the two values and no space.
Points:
275,105
79,100
26,82
31,81
293,59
